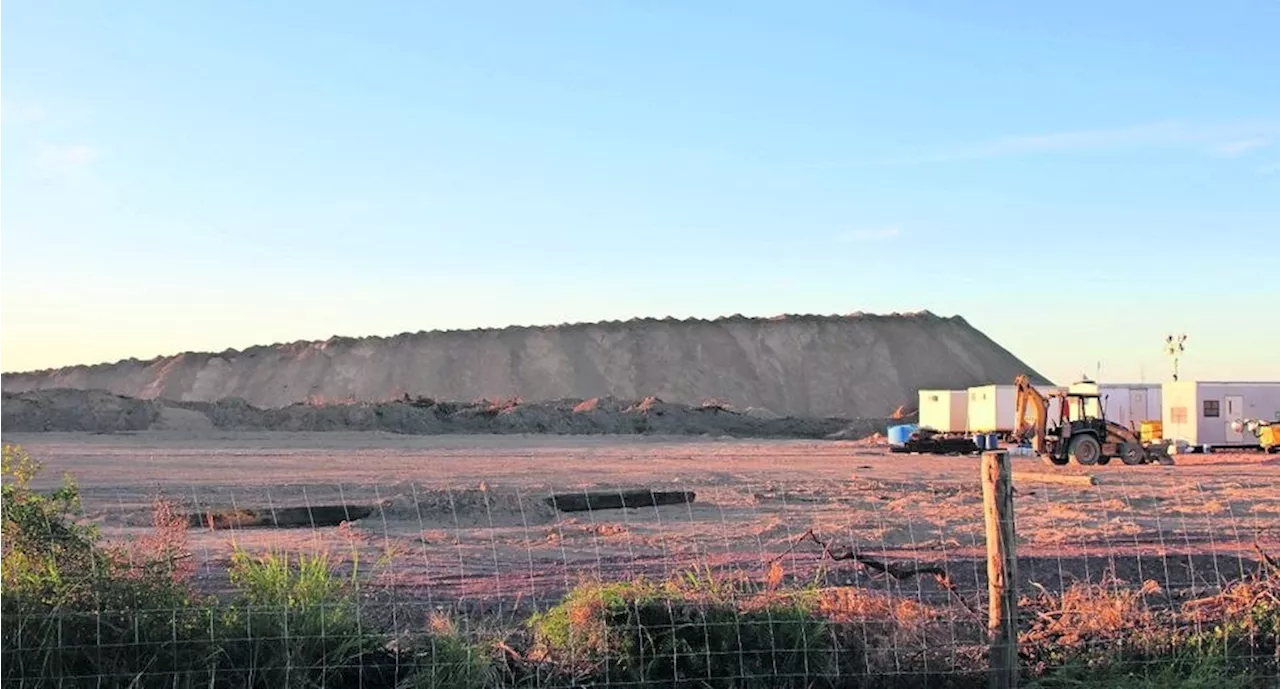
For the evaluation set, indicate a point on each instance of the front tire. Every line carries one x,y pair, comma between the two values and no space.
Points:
1084,450
1132,455
1050,459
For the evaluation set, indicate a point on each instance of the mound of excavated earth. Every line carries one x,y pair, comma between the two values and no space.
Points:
102,412
858,366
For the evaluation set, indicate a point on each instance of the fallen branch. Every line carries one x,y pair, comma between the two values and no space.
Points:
1048,477
1271,562
897,571
509,651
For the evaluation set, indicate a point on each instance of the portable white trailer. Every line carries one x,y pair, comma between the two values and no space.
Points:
1202,412
945,411
1126,404
992,407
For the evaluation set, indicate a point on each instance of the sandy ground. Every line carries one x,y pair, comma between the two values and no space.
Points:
463,518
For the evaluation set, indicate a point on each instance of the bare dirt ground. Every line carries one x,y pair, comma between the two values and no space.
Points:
463,519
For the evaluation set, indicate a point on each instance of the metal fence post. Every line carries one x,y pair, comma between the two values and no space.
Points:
1002,568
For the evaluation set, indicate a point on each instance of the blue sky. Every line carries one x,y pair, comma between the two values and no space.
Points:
1076,181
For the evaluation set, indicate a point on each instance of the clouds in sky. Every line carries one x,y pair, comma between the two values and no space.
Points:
1235,149
62,161
21,112
1232,139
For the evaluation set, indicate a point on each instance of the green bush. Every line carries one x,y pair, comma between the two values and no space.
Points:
77,613
635,633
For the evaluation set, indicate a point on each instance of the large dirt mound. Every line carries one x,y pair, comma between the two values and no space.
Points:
102,412
851,366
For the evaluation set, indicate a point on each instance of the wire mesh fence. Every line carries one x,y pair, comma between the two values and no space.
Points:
682,564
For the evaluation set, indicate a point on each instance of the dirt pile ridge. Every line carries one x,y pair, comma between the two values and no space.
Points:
63,410
853,366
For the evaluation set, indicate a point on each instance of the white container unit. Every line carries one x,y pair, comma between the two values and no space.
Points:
1126,404
1202,412
992,407
945,411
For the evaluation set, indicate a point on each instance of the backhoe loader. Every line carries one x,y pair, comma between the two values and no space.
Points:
1078,438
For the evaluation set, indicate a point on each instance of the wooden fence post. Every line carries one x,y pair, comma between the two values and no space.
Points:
1002,568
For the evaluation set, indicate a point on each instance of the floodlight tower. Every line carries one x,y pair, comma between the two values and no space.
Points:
1174,346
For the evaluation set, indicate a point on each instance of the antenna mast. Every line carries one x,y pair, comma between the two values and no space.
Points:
1174,347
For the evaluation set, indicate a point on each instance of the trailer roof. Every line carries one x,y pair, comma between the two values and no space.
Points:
1230,382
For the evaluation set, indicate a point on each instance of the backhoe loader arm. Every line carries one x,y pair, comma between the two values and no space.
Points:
1027,396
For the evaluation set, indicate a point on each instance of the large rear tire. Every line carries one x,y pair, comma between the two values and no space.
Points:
1084,450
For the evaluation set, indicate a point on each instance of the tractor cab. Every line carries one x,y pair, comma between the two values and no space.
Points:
1083,408
1084,411
1081,416
1084,399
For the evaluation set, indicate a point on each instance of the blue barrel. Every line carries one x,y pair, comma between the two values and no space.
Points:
899,435
993,441
980,440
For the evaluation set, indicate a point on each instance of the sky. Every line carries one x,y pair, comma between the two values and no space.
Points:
1077,180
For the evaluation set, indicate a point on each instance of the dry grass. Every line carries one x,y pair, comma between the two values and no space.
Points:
1086,613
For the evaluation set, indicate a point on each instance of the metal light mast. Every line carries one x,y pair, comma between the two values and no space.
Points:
1174,346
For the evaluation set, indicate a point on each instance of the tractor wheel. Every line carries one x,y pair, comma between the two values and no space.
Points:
1052,460
1084,450
1132,455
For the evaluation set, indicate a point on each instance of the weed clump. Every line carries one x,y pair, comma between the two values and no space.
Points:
671,635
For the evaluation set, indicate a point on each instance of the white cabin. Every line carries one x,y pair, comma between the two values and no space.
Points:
945,411
1202,412
1126,404
992,407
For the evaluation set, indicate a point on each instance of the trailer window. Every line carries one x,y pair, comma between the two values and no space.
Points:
1177,414
1211,409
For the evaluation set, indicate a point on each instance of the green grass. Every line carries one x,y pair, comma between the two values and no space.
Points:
636,633
1178,668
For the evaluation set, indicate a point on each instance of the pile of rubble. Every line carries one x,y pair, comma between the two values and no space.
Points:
101,412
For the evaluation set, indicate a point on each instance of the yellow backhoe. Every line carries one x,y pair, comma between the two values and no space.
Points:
1076,437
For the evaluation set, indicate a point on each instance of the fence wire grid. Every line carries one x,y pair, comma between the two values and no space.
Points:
626,563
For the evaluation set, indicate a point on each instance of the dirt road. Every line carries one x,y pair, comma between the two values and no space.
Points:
464,517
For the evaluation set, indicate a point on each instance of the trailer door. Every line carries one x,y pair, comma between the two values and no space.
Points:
1234,415
1137,406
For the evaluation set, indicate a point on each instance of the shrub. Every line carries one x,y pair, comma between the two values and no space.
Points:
297,623
445,659
1227,641
77,612
637,633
